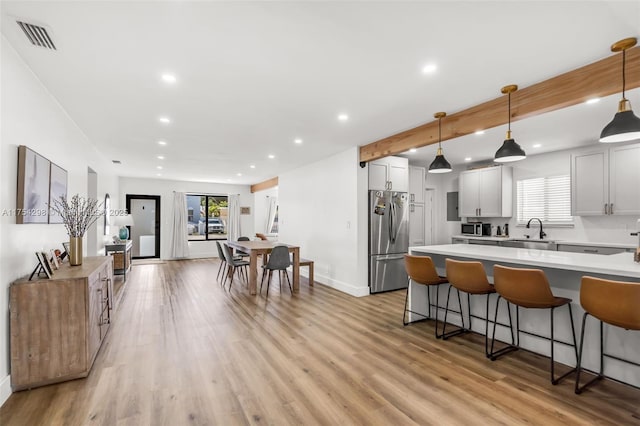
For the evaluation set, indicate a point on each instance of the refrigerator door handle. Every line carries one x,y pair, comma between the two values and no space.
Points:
390,258
392,222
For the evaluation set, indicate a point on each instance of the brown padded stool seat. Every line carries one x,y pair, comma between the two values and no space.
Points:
528,288
421,270
612,302
471,278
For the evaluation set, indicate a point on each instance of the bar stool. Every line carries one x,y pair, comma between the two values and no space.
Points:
612,302
470,278
528,288
421,270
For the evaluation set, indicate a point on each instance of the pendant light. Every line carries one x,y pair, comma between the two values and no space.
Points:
439,164
510,150
625,125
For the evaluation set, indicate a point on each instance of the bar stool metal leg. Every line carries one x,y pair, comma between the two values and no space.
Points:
579,388
459,331
494,355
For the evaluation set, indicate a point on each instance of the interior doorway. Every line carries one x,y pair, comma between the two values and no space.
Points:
145,231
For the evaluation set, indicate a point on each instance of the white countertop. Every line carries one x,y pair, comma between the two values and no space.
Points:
620,264
573,243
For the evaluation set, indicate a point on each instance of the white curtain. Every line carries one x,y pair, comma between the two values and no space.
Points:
180,242
233,228
272,205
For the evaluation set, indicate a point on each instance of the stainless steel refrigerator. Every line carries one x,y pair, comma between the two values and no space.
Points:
388,240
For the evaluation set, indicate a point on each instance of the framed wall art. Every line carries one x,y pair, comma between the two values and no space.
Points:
33,187
57,189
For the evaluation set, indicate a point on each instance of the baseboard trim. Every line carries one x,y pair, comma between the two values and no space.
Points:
342,286
5,389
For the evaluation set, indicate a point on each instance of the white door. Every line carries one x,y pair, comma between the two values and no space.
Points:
490,194
416,184
469,188
428,217
624,180
589,183
416,225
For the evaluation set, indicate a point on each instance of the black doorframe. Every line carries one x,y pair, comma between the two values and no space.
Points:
130,197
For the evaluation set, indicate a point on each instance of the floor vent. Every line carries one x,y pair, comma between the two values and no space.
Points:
38,36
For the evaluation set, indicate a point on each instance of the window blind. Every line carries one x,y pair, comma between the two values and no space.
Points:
547,198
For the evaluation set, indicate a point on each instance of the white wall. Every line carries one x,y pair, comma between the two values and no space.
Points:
321,209
261,206
31,116
166,188
604,229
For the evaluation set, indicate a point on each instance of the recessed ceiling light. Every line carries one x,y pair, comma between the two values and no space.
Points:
158,174
238,174
252,166
479,132
467,159
343,117
169,78
162,143
160,157
298,141
429,68
159,167
228,180
412,150
164,120
592,101
537,145
271,156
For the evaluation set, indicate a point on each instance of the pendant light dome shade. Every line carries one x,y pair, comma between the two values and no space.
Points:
625,125
439,164
510,150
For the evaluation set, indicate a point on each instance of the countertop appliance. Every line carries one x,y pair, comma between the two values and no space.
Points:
388,240
476,228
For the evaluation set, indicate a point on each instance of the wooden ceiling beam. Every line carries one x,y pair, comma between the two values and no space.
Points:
269,183
599,79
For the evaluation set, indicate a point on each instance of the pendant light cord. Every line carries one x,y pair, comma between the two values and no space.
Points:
509,114
623,75
439,132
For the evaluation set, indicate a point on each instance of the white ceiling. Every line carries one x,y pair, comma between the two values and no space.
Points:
253,76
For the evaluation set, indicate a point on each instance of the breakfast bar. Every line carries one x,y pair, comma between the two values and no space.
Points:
564,271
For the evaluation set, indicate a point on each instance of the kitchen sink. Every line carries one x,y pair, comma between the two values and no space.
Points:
530,244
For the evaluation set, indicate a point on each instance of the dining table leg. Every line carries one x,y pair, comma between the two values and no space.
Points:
296,269
253,271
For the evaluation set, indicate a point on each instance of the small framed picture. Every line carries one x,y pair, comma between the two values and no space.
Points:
66,251
54,260
47,261
43,265
245,210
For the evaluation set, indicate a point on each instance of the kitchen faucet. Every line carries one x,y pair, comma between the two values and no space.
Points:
542,233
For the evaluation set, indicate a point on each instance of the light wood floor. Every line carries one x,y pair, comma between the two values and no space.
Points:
183,351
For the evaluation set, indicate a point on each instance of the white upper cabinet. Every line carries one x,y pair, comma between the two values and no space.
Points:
416,184
389,174
606,181
486,192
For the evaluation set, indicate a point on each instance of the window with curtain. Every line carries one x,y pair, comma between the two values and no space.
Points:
207,217
547,198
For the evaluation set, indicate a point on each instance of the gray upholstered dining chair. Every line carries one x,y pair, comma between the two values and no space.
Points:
233,265
239,252
278,261
223,261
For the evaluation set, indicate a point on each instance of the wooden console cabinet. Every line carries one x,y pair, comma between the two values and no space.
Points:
57,325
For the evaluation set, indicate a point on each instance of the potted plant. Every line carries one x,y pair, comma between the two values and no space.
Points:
77,214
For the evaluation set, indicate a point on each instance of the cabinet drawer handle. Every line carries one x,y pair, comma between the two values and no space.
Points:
611,208
591,250
606,208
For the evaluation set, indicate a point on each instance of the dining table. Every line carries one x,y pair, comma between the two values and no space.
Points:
257,248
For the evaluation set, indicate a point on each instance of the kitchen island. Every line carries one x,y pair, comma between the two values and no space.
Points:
564,271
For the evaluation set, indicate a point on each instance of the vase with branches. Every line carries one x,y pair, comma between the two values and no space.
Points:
77,214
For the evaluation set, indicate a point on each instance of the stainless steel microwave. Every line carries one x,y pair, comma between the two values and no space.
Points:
471,229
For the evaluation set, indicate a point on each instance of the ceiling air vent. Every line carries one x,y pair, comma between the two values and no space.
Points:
38,36
116,161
